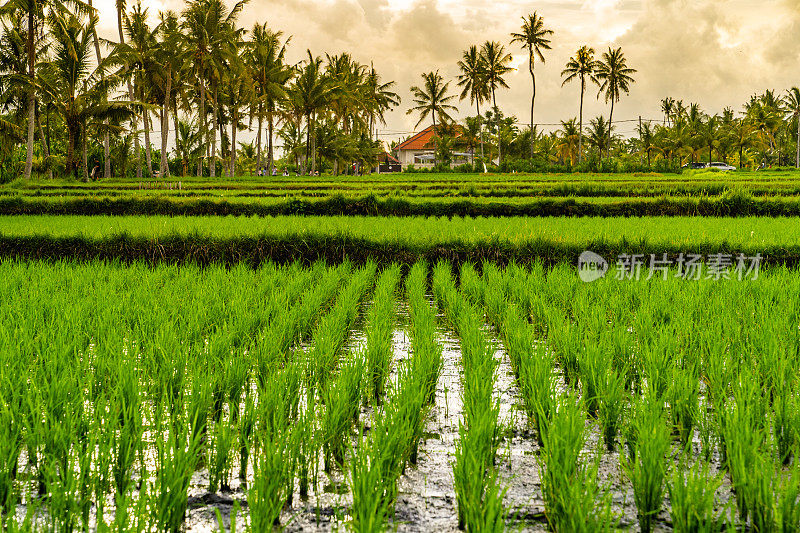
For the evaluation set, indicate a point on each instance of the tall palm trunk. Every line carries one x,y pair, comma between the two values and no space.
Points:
270,153
435,148
533,96
107,136
165,124
797,156
203,128
45,145
31,92
214,125
480,126
610,131
234,122
308,141
184,161
148,154
313,149
258,135
85,150
580,123
134,121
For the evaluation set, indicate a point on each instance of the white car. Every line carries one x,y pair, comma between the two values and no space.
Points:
720,166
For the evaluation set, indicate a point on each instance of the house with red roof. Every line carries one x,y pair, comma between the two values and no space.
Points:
419,151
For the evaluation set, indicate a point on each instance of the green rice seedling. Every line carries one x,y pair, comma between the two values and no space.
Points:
479,495
682,396
745,442
612,405
786,420
245,427
538,388
268,493
692,494
375,467
569,487
10,449
334,328
307,447
380,323
427,361
342,406
788,506
198,408
647,467
219,468
176,460
593,365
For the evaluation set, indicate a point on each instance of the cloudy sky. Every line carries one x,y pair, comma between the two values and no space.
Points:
715,52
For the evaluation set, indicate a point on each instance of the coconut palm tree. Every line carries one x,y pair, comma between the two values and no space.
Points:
139,56
36,11
615,78
535,38
79,92
211,37
647,138
570,140
707,134
379,97
310,93
169,59
581,66
667,107
495,60
270,74
432,100
472,81
793,107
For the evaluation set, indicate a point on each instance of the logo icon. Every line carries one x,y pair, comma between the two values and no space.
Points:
591,267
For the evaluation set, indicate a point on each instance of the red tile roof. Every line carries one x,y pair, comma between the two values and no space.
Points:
420,141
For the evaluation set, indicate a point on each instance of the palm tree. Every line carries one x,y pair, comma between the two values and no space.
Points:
188,145
793,107
743,134
379,98
533,37
470,138
570,140
646,137
211,37
310,93
495,60
140,59
35,11
432,100
581,66
80,93
615,78
599,134
169,58
667,107
707,133
270,74
121,9
472,81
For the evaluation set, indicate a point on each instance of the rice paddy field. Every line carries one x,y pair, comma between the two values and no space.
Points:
396,373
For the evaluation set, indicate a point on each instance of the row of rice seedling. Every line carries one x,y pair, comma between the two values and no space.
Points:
573,500
381,320
479,491
397,426
675,368
108,393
